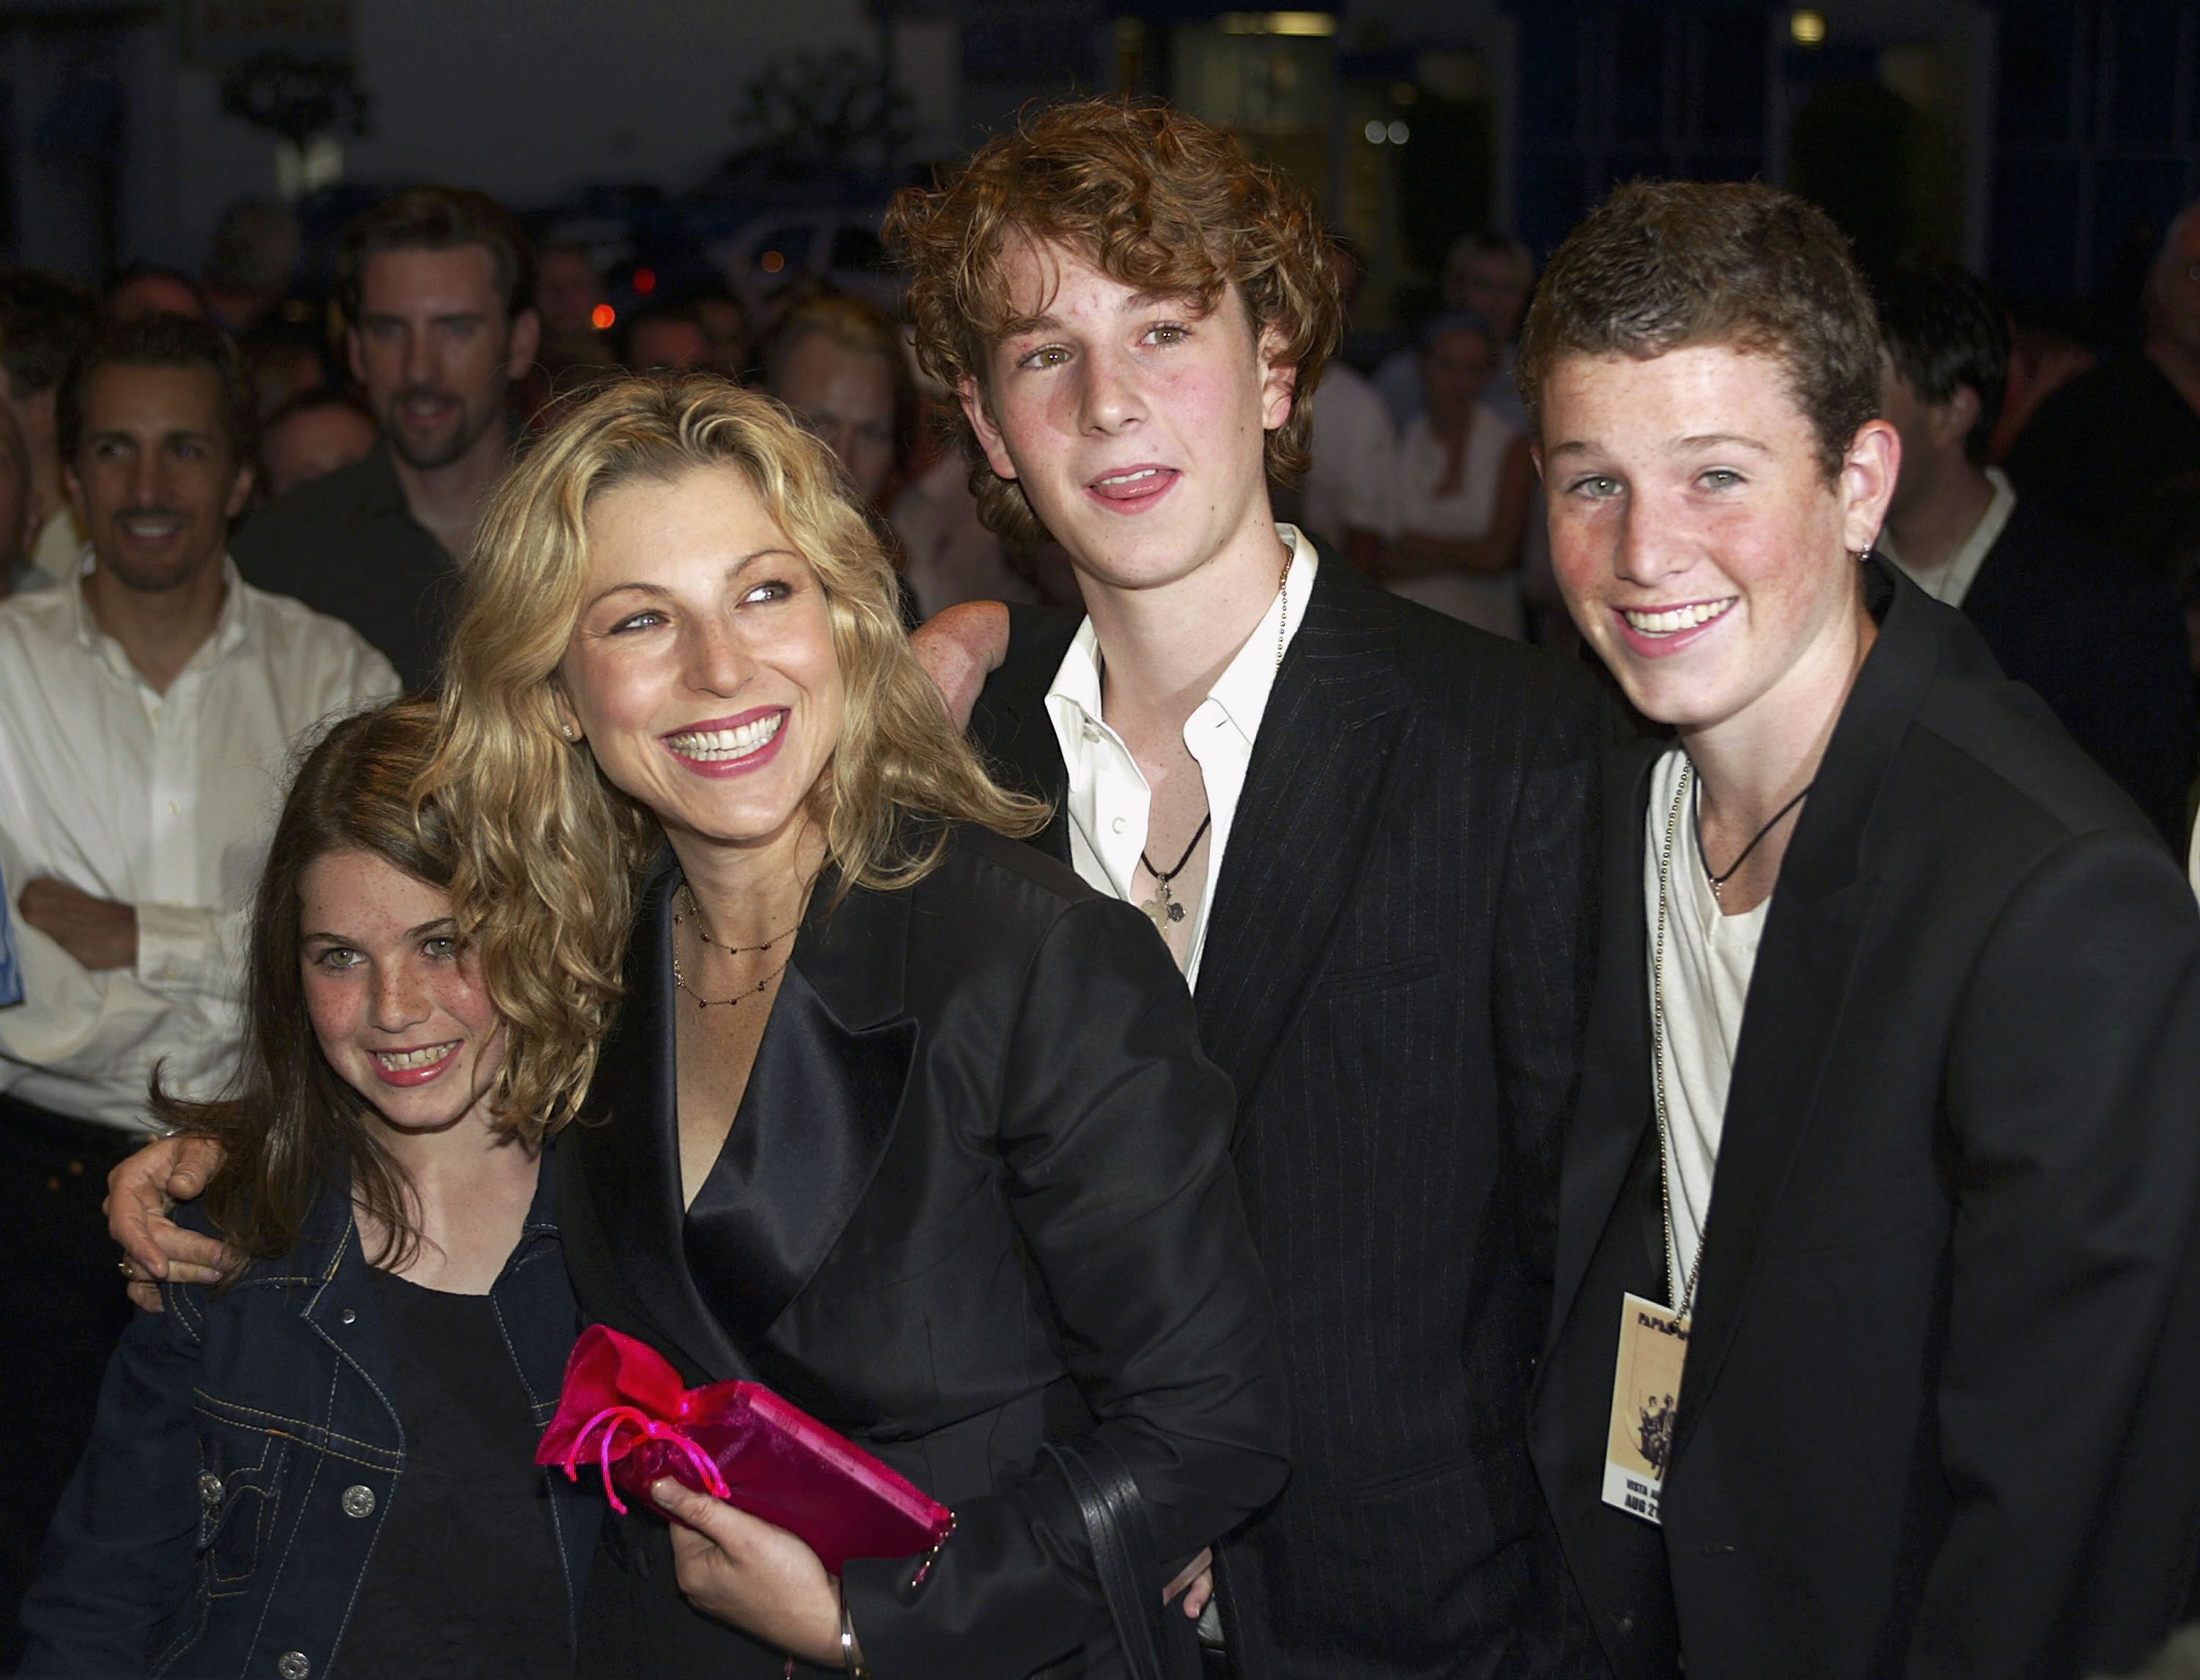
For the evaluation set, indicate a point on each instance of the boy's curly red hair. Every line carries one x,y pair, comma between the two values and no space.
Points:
1150,197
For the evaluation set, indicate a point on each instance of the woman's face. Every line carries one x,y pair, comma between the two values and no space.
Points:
397,1005
701,671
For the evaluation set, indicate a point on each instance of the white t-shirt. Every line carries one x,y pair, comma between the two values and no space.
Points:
1708,960
1490,599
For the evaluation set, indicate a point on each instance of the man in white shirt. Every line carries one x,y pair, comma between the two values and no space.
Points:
148,708
2092,633
1360,828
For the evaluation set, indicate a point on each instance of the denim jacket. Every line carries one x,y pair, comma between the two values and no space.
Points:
243,1459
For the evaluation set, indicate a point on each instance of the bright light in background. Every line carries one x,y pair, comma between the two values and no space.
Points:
645,281
602,316
1808,27
1278,23
1375,132
1400,133
771,262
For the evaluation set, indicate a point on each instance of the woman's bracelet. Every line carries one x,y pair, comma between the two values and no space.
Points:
851,1657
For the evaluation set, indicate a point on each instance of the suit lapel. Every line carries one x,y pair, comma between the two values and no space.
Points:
1813,934
1616,1104
1313,792
816,1117
811,1129
628,1144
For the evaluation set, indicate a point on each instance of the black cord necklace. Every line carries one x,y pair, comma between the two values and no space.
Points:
1162,905
1696,820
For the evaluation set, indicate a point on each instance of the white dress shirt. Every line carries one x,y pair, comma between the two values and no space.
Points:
1709,959
1109,803
163,802
1951,580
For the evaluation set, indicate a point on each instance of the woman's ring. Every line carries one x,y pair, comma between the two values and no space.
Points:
127,1270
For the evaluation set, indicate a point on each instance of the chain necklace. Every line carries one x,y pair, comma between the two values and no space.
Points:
694,917
680,979
695,914
1681,1297
1696,817
1162,905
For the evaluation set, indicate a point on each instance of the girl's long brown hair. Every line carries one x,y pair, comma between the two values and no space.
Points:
290,1126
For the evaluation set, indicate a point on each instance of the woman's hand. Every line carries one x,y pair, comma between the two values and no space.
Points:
1195,1581
139,1193
761,1579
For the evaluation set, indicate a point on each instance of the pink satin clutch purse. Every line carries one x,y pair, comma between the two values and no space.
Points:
624,1409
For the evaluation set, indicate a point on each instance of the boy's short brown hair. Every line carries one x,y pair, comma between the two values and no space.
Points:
1663,264
1155,199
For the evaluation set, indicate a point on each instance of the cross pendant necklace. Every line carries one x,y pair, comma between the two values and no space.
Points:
1162,905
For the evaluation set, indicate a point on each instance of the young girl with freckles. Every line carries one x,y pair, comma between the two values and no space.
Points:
324,1463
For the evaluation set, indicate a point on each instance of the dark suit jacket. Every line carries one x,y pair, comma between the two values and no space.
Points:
349,546
2103,642
1938,1413
1393,979
978,1190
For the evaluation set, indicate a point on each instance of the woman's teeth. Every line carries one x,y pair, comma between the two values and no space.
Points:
405,1061
1676,618
716,746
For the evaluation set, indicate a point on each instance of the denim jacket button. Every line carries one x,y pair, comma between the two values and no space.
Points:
358,1501
209,1489
349,1316
292,1665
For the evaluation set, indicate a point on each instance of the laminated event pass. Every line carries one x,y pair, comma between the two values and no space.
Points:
1645,1390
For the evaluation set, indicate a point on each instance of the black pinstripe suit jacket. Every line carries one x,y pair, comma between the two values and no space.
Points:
1395,979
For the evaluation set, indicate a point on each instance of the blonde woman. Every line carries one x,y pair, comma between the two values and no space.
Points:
890,1111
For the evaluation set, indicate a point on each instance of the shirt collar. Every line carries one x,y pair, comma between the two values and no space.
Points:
1951,580
230,630
1243,689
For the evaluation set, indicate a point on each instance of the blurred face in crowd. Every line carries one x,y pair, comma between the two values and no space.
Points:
312,443
567,291
667,342
1495,285
435,350
1932,435
19,513
155,481
727,334
846,398
2173,294
1135,424
153,294
1699,545
1455,370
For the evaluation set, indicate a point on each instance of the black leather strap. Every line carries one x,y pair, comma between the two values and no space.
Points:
1123,1551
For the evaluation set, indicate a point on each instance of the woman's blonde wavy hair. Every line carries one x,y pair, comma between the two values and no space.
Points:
549,852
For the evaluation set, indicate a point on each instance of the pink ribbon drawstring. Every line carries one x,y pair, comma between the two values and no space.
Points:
611,1419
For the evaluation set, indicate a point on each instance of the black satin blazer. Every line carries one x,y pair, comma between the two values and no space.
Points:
979,1191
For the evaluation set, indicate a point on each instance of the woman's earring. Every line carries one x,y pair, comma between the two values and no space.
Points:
566,730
